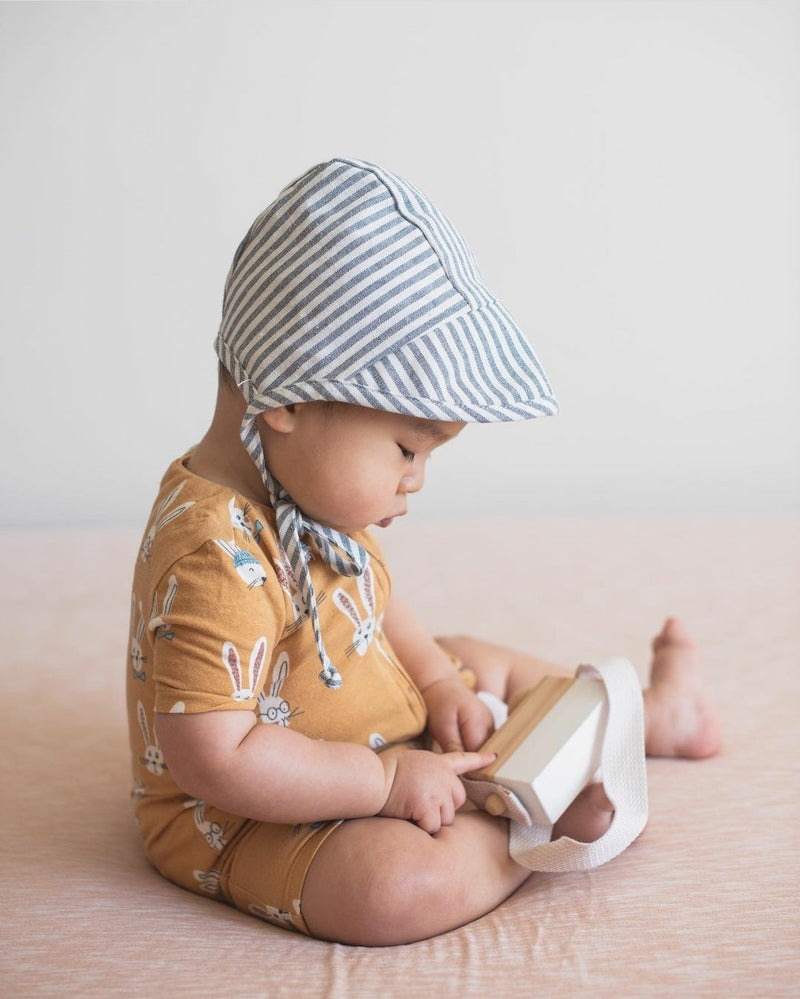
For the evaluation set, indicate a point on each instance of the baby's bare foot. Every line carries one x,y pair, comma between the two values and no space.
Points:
587,818
679,721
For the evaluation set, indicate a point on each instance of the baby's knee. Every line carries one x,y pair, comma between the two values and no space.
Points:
489,664
391,897
409,899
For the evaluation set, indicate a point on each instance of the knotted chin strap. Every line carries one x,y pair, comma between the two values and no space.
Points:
336,549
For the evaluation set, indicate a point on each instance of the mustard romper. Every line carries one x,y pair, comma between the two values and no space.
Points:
217,624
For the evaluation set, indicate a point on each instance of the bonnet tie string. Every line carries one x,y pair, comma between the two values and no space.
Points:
337,550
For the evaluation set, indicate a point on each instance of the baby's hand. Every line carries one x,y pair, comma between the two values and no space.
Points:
424,787
457,718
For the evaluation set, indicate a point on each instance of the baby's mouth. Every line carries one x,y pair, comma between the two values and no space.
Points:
389,520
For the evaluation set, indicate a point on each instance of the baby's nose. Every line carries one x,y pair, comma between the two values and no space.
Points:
414,480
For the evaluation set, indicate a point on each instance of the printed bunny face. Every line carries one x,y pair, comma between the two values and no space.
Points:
154,761
272,708
273,914
153,758
250,570
239,518
214,833
138,658
347,466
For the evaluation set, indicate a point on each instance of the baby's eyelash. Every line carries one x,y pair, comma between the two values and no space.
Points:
407,455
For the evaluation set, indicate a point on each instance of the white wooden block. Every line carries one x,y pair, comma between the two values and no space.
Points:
551,745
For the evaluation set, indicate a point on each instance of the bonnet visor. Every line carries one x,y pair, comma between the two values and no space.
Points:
352,287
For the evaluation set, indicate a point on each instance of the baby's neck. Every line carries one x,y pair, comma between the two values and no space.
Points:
220,457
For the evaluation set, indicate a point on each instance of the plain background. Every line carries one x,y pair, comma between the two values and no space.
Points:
627,174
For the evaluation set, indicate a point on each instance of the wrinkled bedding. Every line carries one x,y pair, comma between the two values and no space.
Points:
704,904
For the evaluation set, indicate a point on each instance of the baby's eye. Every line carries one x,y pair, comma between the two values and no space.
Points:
407,455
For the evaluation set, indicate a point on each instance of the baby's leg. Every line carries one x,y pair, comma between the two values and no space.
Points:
500,670
379,881
385,881
679,721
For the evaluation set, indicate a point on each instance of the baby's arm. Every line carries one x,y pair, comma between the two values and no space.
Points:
457,719
273,774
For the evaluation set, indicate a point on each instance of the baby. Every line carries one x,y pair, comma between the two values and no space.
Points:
281,698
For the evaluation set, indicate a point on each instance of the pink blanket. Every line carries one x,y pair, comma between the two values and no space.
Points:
704,904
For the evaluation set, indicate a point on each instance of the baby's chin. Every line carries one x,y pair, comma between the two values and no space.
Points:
384,522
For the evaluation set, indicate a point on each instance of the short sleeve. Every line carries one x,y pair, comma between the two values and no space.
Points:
218,615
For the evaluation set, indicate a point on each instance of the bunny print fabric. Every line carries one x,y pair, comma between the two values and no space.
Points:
218,623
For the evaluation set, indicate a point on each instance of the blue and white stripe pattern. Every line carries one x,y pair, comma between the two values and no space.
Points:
352,287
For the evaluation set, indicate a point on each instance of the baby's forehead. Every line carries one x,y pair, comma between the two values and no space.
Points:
417,429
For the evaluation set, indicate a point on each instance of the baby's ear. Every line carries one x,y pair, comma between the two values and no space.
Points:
282,419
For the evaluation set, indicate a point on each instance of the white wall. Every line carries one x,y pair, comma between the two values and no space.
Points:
628,174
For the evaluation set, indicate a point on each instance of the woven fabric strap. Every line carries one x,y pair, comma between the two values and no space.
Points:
338,550
624,779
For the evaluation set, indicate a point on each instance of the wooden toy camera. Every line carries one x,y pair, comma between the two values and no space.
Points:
548,750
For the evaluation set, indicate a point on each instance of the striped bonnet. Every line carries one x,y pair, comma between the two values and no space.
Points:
352,287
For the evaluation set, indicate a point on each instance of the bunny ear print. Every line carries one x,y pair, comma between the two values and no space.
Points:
366,585
239,517
167,518
158,623
283,579
172,589
140,627
169,499
143,722
346,605
280,674
257,659
230,658
232,512
154,608
284,569
161,519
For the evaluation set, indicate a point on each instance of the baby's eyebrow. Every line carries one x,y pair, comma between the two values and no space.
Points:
430,432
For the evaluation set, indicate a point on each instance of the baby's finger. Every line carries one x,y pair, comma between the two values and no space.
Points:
448,736
447,813
475,730
462,763
430,820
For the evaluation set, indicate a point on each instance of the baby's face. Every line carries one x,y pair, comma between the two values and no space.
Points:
349,467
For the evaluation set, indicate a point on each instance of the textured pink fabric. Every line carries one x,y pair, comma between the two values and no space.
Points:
704,904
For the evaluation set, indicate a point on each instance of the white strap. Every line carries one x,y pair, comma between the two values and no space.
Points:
624,780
